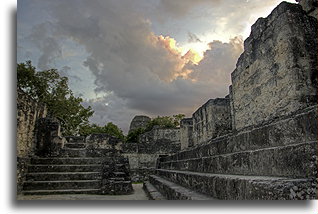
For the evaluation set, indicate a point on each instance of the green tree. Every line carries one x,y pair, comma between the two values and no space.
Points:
52,89
109,128
177,118
165,122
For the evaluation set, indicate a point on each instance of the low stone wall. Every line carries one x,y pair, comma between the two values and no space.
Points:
143,155
102,145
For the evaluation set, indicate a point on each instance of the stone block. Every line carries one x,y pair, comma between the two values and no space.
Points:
186,129
211,120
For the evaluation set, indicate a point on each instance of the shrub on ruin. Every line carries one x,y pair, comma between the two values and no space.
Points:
160,122
110,129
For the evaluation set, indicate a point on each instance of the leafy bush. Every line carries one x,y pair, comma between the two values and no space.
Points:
52,89
109,128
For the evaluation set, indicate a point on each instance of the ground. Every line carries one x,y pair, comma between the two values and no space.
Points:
138,194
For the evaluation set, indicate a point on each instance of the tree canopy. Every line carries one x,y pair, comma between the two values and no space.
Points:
109,128
51,88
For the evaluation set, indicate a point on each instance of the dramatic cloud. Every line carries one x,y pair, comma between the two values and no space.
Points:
218,62
182,7
136,71
47,44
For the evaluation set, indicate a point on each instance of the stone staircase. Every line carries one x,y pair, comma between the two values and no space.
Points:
185,179
243,166
72,172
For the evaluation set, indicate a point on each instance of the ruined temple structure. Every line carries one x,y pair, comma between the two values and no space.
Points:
260,142
51,164
257,143
143,155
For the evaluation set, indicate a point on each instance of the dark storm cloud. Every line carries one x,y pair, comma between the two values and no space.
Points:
47,44
140,72
182,7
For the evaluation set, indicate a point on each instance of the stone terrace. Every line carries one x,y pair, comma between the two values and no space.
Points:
271,152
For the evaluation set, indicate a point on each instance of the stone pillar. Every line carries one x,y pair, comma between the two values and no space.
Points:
48,137
186,128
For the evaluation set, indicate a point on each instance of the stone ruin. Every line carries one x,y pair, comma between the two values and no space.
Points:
260,142
143,155
51,164
139,121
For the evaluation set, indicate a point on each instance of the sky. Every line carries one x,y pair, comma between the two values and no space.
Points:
140,57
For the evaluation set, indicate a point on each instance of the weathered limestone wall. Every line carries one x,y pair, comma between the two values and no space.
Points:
271,153
139,121
28,112
102,145
186,130
211,120
310,6
153,144
276,74
160,135
284,148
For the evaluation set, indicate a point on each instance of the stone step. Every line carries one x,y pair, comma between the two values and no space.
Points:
114,187
68,152
120,174
173,191
152,192
296,161
61,185
59,176
279,133
60,192
67,161
242,187
117,179
65,168
75,145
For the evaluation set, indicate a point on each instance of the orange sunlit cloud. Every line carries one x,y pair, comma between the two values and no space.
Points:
180,56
